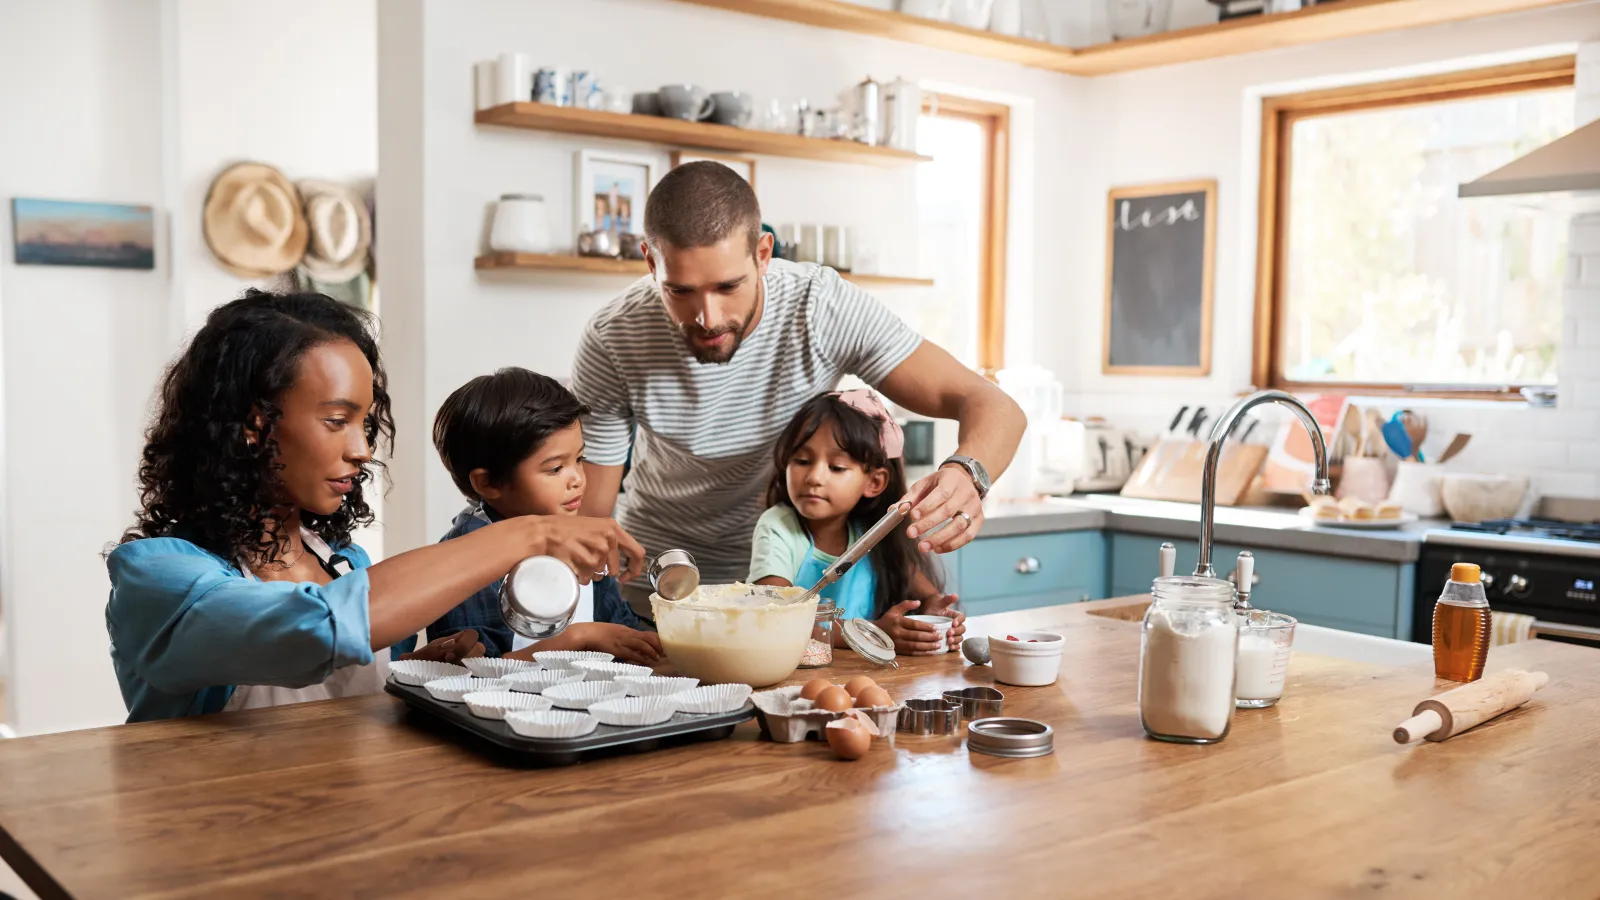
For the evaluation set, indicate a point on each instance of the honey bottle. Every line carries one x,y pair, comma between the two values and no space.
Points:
1461,626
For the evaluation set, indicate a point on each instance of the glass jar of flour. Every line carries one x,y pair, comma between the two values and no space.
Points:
1187,660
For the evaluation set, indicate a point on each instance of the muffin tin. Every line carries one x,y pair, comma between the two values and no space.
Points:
497,737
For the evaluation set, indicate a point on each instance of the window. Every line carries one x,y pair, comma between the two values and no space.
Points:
961,210
1373,275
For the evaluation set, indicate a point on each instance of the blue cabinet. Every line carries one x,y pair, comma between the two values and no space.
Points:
1002,574
1358,595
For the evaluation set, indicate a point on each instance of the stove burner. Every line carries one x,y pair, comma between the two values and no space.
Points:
1537,528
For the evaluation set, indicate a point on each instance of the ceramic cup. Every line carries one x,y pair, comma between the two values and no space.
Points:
941,624
686,101
732,108
647,103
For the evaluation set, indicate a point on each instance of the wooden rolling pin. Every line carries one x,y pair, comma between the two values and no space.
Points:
1458,709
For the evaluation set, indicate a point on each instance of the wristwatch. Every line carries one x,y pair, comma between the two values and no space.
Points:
980,475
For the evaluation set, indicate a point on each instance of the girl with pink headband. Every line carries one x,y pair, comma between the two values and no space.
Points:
838,470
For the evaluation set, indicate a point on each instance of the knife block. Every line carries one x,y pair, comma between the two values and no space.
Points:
1174,469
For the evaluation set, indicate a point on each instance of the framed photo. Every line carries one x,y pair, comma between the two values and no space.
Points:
1161,244
70,233
611,191
744,165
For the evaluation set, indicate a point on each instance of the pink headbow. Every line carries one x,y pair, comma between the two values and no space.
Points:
893,439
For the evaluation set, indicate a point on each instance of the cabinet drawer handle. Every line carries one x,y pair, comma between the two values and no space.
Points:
1028,565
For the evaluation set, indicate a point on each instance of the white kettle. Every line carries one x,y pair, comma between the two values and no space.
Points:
902,107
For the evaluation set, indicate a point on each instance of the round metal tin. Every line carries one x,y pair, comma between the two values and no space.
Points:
1009,737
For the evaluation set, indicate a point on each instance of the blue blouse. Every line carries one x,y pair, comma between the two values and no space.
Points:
187,626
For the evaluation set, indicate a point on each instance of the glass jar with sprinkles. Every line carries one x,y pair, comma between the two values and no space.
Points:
819,650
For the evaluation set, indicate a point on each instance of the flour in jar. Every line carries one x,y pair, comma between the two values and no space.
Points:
1186,674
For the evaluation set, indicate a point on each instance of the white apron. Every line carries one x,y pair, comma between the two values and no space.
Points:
350,681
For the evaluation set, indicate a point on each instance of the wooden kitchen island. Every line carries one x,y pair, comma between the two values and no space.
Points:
1311,798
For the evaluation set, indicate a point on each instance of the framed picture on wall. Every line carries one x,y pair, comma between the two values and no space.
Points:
71,233
744,165
611,190
1161,242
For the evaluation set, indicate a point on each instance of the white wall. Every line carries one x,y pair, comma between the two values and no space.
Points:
468,324
82,347
1201,120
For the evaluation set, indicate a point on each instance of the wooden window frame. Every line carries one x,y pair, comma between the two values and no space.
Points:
1278,116
995,119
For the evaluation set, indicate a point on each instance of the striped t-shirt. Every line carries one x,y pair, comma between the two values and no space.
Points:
703,433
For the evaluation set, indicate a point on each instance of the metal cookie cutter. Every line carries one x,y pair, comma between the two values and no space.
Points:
930,717
976,702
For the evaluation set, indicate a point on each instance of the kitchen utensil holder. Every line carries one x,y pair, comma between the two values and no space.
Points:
930,716
977,702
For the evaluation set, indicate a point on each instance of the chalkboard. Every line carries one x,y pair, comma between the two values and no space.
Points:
1160,241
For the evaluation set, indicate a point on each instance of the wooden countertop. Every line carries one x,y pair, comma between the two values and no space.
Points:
1311,798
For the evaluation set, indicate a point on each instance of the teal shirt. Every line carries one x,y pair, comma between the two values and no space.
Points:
781,547
187,626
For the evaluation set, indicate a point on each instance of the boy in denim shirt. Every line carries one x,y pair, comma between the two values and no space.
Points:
514,446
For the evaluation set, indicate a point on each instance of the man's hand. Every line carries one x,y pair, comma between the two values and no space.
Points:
463,644
948,495
593,547
911,638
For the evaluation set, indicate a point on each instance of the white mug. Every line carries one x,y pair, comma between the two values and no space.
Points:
520,225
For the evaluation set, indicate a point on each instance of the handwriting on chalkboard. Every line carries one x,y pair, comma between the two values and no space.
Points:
1187,212
1160,243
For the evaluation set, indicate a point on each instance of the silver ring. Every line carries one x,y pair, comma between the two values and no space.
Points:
965,518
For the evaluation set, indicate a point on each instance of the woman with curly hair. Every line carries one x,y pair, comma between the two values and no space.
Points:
238,586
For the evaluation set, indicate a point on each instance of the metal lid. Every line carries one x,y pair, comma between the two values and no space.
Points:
870,641
1010,737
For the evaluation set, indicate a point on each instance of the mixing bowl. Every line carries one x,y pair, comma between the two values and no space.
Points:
735,633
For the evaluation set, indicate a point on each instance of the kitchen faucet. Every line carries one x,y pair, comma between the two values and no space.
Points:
1219,434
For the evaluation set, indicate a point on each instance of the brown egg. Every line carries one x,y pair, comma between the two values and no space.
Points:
833,699
856,685
814,687
848,739
872,696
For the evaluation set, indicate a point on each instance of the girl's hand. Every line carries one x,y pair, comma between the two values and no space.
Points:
626,644
945,606
463,644
911,638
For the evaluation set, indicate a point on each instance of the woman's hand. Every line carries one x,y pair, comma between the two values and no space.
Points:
463,644
911,638
593,547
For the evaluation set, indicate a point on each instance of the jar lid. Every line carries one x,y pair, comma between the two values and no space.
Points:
870,641
522,197
1010,737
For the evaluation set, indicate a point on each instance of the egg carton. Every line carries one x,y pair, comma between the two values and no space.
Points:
787,719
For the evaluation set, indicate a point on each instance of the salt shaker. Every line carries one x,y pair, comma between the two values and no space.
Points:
1187,660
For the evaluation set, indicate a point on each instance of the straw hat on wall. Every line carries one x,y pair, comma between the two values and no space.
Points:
253,221
341,232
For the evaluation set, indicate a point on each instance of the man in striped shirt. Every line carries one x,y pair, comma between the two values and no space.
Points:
699,366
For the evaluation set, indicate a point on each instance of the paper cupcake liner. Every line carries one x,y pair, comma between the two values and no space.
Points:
712,698
563,659
654,685
596,670
495,704
558,723
498,667
583,694
534,681
454,688
418,672
634,711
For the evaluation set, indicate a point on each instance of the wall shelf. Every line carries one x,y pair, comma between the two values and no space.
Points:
633,268
681,133
1324,22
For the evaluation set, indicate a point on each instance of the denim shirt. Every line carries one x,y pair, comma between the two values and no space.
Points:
186,626
482,610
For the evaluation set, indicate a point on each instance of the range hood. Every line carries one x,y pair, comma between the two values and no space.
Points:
1570,163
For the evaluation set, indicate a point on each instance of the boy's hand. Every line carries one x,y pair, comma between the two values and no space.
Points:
463,644
626,644
911,638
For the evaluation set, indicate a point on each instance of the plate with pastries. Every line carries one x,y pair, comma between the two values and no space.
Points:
1355,513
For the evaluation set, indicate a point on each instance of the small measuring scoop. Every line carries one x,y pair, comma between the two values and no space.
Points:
853,553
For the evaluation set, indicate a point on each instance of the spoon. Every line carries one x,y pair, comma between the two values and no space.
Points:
853,553
1416,427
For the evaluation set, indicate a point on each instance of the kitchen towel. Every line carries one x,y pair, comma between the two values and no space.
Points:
1509,628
